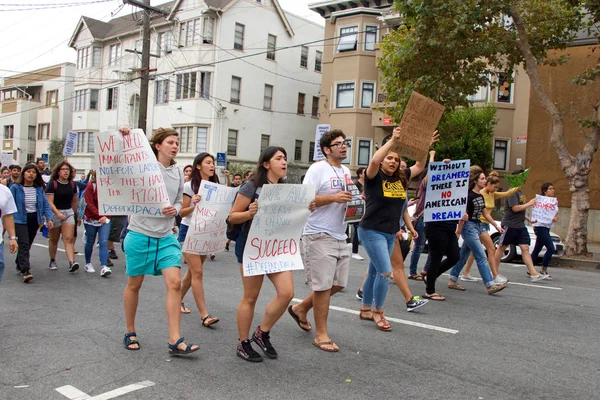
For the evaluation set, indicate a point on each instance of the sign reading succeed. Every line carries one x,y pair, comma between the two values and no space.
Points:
128,177
447,190
206,233
545,209
273,243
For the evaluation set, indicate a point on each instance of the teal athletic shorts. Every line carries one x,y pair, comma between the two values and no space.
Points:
145,255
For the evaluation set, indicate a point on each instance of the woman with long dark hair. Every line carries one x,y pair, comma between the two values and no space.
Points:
62,196
542,233
95,225
271,168
33,209
203,169
152,249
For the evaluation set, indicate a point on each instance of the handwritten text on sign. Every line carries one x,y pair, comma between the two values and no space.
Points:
321,130
70,143
273,243
545,209
420,119
206,233
129,178
447,190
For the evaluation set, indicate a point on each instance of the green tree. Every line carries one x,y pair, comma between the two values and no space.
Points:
55,151
466,133
447,49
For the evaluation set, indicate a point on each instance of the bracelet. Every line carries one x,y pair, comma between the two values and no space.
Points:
13,238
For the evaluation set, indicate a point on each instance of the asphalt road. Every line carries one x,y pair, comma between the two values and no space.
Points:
528,342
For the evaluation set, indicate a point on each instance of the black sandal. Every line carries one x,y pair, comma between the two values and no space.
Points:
128,342
174,349
208,324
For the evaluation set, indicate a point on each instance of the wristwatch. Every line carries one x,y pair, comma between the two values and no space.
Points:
13,238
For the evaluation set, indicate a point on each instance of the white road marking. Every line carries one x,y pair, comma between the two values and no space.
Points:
72,393
398,320
63,250
528,284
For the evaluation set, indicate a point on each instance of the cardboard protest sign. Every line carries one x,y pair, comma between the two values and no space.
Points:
420,120
273,243
356,207
517,180
321,129
447,190
206,233
70,144
128,177
545,209
6,159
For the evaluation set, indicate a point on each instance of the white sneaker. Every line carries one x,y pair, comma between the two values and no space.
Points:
89,268
538,277
501,280
468,278
105,271
349,244
357,256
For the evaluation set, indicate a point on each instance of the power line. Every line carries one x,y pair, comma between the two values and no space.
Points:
31,7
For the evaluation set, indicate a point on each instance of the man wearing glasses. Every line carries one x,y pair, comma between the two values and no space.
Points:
326,255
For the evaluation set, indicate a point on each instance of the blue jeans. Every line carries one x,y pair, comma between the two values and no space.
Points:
418,245
543,238
379,247
102,232
1,261
471,243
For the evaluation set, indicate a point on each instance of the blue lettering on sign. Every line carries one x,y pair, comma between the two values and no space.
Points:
446,216
211,189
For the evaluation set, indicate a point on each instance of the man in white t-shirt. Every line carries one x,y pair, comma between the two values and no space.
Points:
326,255
7,209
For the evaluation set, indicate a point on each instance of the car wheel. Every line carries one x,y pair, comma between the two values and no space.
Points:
509,253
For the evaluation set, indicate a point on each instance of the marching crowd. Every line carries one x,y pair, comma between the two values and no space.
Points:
33,199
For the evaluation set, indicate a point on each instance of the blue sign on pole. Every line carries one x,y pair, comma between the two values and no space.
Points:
44,157
221,160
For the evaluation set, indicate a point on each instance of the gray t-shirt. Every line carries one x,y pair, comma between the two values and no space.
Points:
513,219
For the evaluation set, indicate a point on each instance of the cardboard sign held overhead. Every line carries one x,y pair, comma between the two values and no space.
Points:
419,121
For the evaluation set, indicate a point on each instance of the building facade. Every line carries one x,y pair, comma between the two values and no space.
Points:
35,107
230,76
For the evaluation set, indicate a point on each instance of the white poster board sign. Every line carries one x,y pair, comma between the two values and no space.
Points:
273,243
7,159
447,190
207,231
321,129
128,177
70,143
545,209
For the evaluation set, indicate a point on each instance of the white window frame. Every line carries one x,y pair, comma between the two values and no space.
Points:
312,108
114,54
303,56
9,131
318,61
96,56
80,102
511,88
43,134
271,47
188,32
208,29
370,29
165,42
358,160
186,85
201,136
301,111
161,92
335,93
239,90
83,57
296,157
347,38
507,154
204,82
94,94
237,45
230,138
482,95
112,98
90,142
268,98
263,137
362,93
348,159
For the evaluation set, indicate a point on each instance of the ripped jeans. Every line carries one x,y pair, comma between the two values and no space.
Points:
379,247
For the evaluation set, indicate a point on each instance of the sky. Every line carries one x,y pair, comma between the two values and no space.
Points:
36,33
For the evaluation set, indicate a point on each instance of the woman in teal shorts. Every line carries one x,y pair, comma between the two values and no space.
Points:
151,248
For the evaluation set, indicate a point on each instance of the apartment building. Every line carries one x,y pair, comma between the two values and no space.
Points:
230,76
35,107
353,100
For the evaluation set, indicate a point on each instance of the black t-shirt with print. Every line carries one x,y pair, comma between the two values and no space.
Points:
63,194
385,200
475,206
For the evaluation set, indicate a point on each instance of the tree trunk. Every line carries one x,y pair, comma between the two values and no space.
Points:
576,241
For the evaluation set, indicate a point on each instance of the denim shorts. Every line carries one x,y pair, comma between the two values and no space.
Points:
145,255
480,227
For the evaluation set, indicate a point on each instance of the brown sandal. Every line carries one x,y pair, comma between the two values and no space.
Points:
383,324
362,313
415,277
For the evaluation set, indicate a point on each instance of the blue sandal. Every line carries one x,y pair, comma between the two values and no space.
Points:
174,349
128,342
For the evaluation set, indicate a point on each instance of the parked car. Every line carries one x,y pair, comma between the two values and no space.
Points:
512,251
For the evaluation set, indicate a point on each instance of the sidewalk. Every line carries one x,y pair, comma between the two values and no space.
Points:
591,264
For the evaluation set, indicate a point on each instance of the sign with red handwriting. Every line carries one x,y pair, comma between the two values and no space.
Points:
128,177
273,243
206,233
544,210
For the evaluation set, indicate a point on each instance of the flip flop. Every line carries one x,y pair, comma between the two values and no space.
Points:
321,345
209,320
298,321
185,310
415,277
456,286
434,297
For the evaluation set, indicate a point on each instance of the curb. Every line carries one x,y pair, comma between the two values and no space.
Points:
575,263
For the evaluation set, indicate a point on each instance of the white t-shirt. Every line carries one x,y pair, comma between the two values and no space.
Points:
187,191
7,205
330,218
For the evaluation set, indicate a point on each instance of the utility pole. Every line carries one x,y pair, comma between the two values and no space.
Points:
145,69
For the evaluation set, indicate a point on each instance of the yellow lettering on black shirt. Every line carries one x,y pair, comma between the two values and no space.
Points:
393,190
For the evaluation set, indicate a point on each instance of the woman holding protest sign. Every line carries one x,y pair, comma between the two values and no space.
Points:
271,169
95,225
542,233
32,209
490,194
385,191
152,249
472,233
62,196
202,170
